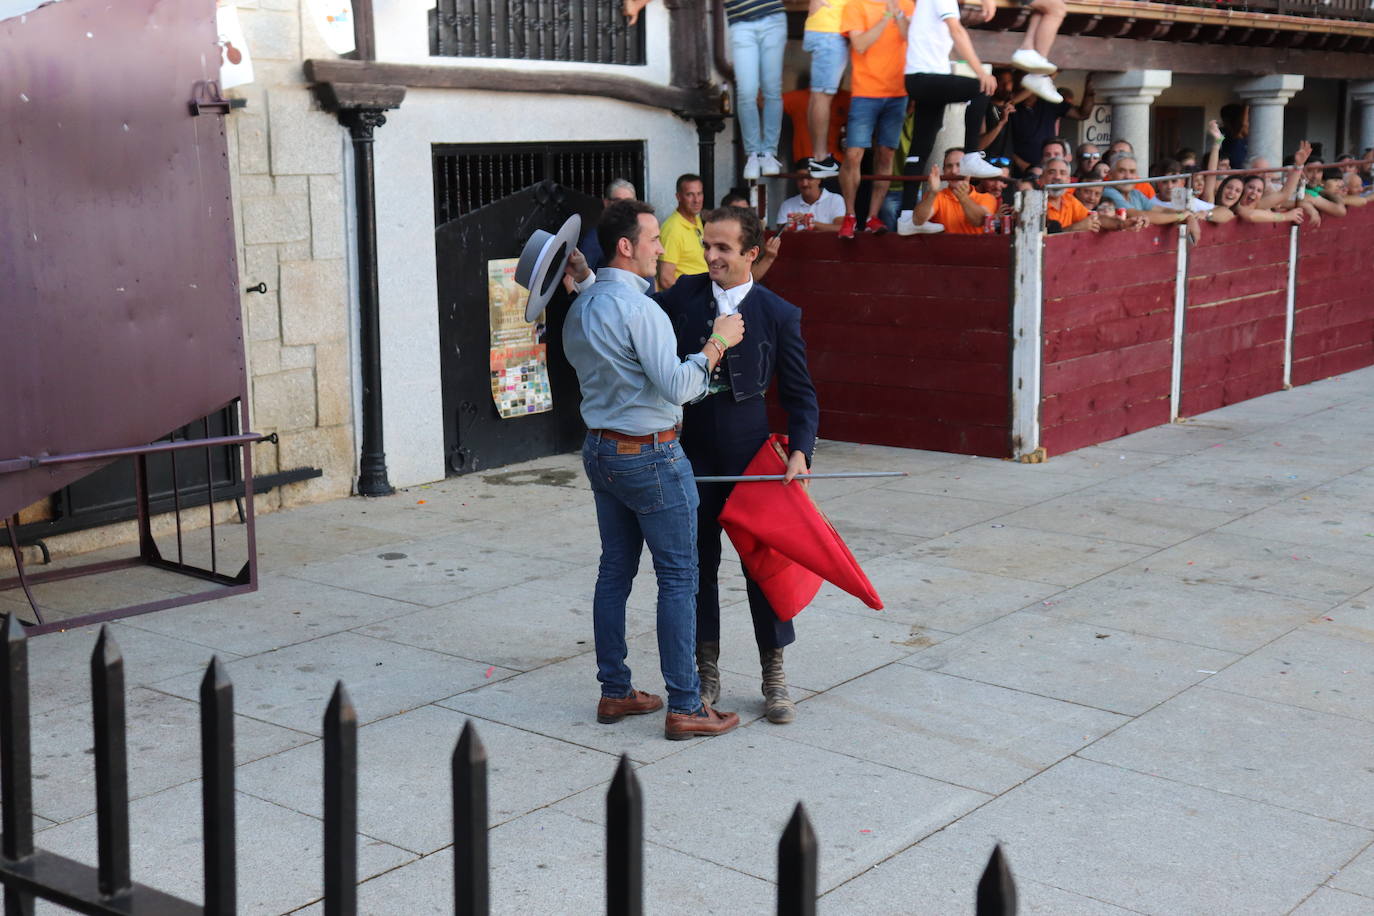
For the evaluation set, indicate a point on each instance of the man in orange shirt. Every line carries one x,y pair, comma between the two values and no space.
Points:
877,106
960,210
1069,212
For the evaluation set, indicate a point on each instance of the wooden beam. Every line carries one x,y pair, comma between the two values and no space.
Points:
543,82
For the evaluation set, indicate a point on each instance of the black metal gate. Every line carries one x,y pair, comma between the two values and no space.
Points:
488,202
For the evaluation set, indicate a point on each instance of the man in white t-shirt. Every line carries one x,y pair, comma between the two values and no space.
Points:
935,31
814,209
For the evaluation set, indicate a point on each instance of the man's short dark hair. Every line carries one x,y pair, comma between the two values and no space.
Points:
620,221
1166,167
734,199
1063,144
750,226
686,178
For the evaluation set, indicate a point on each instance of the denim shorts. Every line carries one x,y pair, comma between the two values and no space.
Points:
829,55
875,121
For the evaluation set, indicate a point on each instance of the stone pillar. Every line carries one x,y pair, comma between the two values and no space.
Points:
1266,96
1131,94
1362,98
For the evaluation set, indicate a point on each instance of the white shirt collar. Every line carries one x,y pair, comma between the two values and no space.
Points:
728,300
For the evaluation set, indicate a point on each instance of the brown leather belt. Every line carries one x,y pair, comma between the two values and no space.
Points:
667,435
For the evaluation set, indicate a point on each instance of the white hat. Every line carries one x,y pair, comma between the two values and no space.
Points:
541,263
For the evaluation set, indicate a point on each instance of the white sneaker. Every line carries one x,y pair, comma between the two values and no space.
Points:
769,164
973,165
906,227
1032,61
1042,86
753,167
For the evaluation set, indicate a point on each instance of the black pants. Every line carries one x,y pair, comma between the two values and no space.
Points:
932,92
720,437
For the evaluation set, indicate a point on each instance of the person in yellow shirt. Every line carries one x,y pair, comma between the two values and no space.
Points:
680,234
823,39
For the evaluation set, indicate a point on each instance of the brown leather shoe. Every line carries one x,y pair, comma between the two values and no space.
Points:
613,709
703,724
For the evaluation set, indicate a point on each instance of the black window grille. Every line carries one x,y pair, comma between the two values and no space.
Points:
470,176
584,31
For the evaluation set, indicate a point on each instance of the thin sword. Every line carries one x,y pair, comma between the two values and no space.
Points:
758,477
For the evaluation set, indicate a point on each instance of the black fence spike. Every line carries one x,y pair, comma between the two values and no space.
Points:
340,805
624,843
111,765
217,789
16,760
996,889
797,864
470,819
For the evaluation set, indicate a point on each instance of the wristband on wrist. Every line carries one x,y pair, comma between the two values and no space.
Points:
720,340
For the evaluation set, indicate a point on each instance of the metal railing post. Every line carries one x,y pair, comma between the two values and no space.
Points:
16,762
217,790
624,843
1290,308
111,765
798,858
1180,313
470,853
340,805
996,889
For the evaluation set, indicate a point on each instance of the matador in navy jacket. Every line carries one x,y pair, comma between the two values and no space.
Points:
723,432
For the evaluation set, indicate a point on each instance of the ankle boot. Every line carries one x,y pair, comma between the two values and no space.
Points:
708,654
778,706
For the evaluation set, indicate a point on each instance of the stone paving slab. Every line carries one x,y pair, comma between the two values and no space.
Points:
1282,567
1310,670
549,863
958,731
1327,517
941,598
1227,617
993,480
1357,876
1328,902
279,851
922,882
1252,748
912,514
1000,549
519,627
714,801
1353,619
163,746
405,785
1231,493
1154,845
292,686
283,611
430,572
1110,517
1107,669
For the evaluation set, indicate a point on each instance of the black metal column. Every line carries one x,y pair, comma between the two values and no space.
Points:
372,476
708,125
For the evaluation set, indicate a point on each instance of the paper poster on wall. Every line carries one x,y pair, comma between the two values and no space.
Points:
235,64
519,363
334,20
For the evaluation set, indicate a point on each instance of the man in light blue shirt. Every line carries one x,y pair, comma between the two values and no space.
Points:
633,386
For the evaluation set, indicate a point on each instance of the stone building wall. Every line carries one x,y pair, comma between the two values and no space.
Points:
287,167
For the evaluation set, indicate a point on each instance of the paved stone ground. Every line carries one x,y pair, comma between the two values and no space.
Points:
1145,668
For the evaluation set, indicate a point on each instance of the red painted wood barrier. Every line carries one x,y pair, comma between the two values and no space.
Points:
908,338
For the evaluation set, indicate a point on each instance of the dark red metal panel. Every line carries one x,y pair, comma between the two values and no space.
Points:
1333,324
118,285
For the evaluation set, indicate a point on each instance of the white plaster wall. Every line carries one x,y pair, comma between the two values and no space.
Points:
405,228
402,29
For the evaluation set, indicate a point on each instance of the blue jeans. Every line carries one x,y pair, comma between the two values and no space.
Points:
756,46
829,56
645,494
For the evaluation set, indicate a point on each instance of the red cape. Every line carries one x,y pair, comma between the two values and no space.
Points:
786,542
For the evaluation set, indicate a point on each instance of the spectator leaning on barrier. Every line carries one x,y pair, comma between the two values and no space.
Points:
813,209
1089,197
1068,212
824,41
1136,204
758,36
935,31
680,234
956,207
1035,122
877,104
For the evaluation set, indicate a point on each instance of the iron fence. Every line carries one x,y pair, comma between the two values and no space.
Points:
29,873
583,31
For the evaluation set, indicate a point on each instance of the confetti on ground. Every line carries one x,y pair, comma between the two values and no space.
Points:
420,502
490,670
1205,671
865,831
